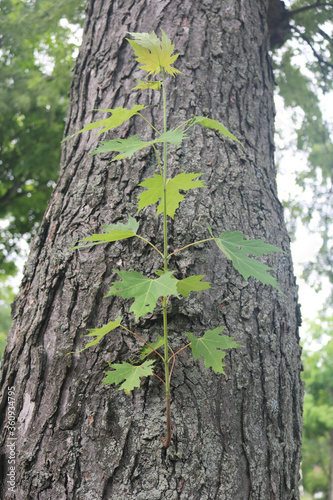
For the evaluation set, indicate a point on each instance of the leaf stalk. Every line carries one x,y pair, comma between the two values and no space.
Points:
140,338
189,245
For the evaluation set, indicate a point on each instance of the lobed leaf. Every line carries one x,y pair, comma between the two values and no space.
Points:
119,116
145,291
146,349
129,375
155,191
113,232
236,246
192,284
143,85
214,125
146,40
99,333
212,348
153,53
129,146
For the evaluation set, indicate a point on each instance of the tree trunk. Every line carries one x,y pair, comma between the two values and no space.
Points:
235,437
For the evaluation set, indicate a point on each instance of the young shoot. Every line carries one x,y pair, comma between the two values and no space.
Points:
156,57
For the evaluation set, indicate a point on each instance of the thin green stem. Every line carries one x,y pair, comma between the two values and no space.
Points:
147,121
191,244
165,217
184,123
149,243
167,440
166,347
190,125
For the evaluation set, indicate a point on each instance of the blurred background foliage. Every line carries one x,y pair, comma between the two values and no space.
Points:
318,413
39,41
37,55
6,297
304,76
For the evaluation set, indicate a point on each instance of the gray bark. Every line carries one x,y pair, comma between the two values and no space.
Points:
235,437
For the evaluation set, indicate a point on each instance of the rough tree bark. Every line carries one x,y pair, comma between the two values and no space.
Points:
234,437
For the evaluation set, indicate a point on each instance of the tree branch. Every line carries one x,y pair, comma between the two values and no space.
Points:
315,53
292,13
324,35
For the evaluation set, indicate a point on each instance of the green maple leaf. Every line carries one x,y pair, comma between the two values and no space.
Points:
154,53
119,116
128,146
143,85
212,348
129,374
192,284
146,291
99,333
214,125
155,191
147,349
113,232
236,246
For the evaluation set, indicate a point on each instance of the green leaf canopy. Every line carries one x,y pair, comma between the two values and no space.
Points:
129,375
146,291
37,54
212,348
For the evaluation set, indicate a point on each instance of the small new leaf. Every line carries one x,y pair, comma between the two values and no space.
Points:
147,349
143,85
129,146
113,232
129,375
153,53
212,348
119,116
236,246
99,333
155,191
146,291
214,125
192,284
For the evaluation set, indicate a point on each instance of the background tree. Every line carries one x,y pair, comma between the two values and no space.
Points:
6,297
233,437
317,463
304,74
36,58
